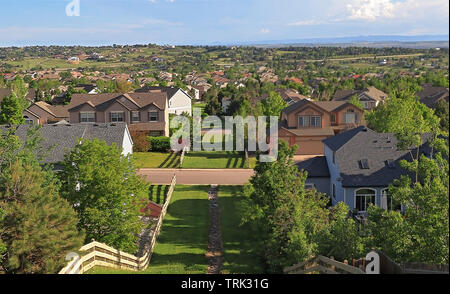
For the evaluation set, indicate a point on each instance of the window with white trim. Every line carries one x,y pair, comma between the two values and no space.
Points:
363,198
135,116
316,121
309,186
117,116
87,117
303,121
153,116
350,117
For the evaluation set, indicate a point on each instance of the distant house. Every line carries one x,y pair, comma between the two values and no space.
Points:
369,97
143,112
178,100
60,139
88,88
431,96
306,123
361,164
41,113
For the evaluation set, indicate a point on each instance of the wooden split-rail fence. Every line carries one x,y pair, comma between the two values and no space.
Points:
99,254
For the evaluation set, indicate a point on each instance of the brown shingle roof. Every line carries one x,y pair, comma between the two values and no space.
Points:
140,100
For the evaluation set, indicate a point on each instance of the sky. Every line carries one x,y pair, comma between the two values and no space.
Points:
180,22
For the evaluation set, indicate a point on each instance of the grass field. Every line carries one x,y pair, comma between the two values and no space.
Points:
157,193
182,244
214,159
156,160
240,256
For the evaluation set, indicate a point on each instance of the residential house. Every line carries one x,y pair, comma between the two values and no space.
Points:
370,97
88,88
361,165
58,140
41,113
431,96
178,100
143,112
306,123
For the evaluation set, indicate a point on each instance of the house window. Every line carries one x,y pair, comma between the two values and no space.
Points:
117,116
135,116
28,120
316,121
334,191
309,186
153,116
303,121
363,198
87,117
350,117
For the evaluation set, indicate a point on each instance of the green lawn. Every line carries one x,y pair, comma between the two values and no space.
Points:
215,159
182,244
156,160
157,193
239,241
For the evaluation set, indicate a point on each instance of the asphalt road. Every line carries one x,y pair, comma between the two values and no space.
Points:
160,176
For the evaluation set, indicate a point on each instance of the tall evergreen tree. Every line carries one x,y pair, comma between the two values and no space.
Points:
37,227
11,111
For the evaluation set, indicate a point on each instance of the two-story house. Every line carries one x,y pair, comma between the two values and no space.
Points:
306,123
143,112
370,97
179,101
358,167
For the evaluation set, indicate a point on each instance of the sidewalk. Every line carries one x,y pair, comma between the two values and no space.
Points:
159,176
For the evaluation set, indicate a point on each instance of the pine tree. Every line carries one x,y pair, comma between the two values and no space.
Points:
38,227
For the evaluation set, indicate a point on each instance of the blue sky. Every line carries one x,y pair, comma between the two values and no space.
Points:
44,22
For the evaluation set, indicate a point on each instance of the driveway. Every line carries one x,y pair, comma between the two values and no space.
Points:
162,176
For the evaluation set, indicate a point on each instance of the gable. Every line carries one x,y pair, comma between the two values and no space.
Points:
308,109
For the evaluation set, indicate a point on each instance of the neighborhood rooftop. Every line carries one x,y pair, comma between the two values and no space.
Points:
59,139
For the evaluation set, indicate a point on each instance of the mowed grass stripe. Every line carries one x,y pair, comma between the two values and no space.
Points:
182,244
239,242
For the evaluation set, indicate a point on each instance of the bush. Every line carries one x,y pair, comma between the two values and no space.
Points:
159,144
141,144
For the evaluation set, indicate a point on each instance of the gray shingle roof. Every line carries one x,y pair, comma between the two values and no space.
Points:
316,167
60,139
356,146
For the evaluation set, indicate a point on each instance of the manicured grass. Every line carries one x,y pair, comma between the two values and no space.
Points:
157,193
182,244
214,159
239,242
156,160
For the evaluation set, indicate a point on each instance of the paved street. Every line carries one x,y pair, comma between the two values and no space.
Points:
159,176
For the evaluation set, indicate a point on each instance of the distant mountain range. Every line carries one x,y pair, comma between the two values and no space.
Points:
418,41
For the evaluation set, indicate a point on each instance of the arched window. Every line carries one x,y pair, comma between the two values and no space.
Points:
364,197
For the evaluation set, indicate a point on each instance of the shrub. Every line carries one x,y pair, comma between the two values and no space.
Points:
159,144
141,144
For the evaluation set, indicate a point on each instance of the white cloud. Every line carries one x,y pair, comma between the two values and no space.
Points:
370,9
264,31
